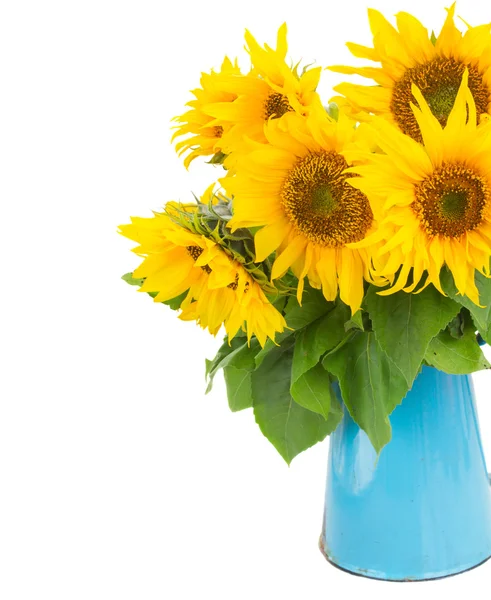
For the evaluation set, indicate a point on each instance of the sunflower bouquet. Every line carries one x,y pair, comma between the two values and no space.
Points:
345,246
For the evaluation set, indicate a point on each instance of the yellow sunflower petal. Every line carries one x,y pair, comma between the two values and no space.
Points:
475,42
386,38
450,37
281,43
350,273
270,237
430,127
363,51
377,74
373,99
289,255
458,115
401,280
415,36
409,156
327,270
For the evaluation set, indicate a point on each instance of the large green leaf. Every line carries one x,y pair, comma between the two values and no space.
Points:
458,356
371,384
310,384
314,305
313,390
480,315
287,425
317,338
456,326
239,388
405,324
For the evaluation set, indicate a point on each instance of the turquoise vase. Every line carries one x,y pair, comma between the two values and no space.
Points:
423,509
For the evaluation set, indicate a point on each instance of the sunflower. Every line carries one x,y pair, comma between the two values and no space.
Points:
271,90
294,188
433,200
409,56
219,290
203,136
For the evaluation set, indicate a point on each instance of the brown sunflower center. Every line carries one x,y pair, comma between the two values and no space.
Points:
195,252
217,131
451,201
235,284
439,80
319,202
275,106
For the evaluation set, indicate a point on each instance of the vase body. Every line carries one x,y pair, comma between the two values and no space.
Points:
423,509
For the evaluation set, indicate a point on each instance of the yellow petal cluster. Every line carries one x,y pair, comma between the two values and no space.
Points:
294,187
201,134
390,193
231,105
432,200
409,56
219,291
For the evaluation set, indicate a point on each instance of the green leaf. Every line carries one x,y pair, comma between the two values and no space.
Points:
217,159
336,413
456,326
433,38
314,305
317,338
239,388
268,347
458,356
175,303
406,323
287,425
280,303
238,354
371,385
313,390
356,322
212,366
128,277
480,315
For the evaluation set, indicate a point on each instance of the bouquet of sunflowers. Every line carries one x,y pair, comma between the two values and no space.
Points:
346,245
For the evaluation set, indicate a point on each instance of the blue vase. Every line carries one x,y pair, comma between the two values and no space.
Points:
423,509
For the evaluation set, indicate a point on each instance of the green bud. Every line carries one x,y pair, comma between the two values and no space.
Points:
333,110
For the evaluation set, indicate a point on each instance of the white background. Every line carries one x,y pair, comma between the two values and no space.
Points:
118,477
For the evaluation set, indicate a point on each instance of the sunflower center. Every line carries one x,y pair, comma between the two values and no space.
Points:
275,106
439,80
217,131
441,101
322,200
195,252
322,205
235,284
451,201
454,205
